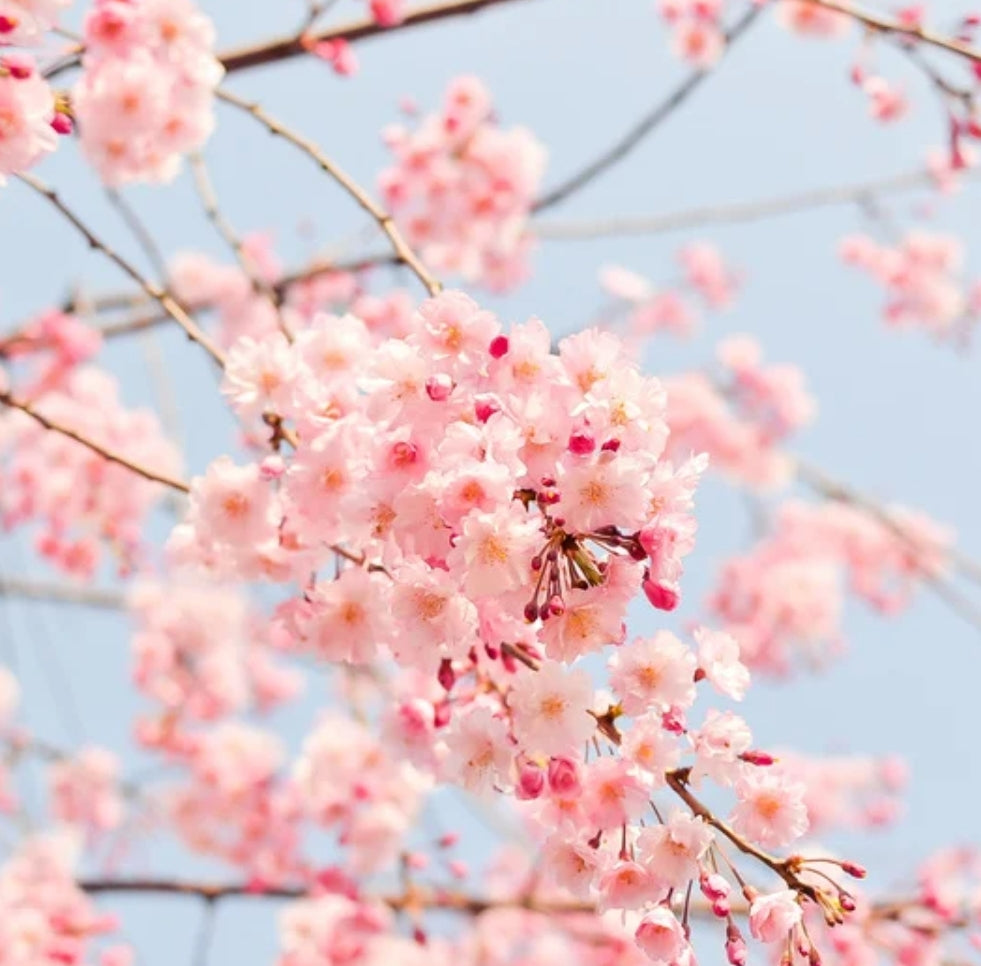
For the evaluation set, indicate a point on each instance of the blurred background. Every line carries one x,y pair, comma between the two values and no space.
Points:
897,417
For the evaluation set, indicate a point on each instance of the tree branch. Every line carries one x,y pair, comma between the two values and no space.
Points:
642,128
911,31
7,399
164,298
385,221
283,48
61,593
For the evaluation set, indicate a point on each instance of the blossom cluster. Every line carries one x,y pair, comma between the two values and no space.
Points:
81,502
740,419
784,597
462,187
29,119
145,97
649,309
921,276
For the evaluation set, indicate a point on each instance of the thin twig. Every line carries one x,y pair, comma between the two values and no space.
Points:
910,30
209,201
730,213
164,298
7,399
102,598
283,48
385,221
642,128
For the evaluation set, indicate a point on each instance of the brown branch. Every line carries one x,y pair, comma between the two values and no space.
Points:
785,868
912,32
642,128
283,48
383,218
62,593
113,457
164,298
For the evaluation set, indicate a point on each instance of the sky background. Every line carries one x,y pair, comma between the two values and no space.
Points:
897,413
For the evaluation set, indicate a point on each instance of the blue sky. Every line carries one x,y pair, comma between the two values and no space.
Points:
897,413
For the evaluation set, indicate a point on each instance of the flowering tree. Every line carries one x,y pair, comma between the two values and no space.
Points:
439,559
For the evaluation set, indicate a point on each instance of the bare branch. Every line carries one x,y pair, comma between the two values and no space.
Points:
732,213
61,593
165,299
7,399
910,31
283,48
209,201
642,128
385,222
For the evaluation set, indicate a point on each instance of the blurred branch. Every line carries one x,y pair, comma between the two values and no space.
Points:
155,292
7,399
385,221
209,201
731,213
61,593
642,128
911,30
283,48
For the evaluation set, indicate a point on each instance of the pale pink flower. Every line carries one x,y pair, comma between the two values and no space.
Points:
654,673
550,709
612,793
26,111
661,936
652,749
718,657
480,752
494,551
771,809
718,744
772,916
627,885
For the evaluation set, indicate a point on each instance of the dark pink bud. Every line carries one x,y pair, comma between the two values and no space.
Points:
610,446
721,908
673,720
531,781
714,887
531,612
663,596
492,652
448,840
62,123
19,69
581,444
439,387
441,715
403,454
419,935
854,870
761,758
485,408
446,675
847,902
7,25
563,778
499,346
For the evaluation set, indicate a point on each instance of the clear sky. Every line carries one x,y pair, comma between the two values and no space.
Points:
898,414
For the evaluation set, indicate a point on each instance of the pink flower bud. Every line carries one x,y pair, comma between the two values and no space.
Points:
485,408
563,778
448,840
7,25
531,781
714,886
272,467
847,902
662,595
499,346
721,908
761,758
581,444
446,675
19,69
673,720
611,446
62,123
439,387
854,870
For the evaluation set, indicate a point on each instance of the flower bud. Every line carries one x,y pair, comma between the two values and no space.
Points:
581,444
531,781
662,595
439,387
563,778
499,346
